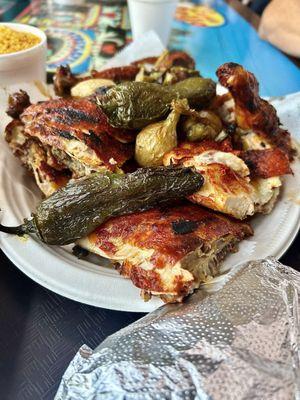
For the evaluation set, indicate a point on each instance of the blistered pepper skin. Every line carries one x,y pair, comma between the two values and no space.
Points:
134,105
75,210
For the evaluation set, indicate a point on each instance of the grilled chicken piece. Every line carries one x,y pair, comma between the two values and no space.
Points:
64,79
179,64
49,174
79,128
227,186
17,103
252,112
168,252
117,74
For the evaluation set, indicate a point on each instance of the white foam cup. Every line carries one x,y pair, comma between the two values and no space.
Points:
156,15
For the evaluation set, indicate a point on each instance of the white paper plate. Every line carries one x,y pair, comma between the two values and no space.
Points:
58,270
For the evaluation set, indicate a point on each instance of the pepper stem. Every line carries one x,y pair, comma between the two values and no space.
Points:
14,230
20,230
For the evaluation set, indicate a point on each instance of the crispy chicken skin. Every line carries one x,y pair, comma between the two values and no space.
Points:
252,112
266,163
62,139
188,149
169,251
81,129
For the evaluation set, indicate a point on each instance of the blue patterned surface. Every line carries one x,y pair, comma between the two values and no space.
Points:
237,41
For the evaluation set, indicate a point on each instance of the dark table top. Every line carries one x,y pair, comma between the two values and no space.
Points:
41,331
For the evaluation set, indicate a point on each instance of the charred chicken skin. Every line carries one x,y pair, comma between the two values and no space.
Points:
79,128
251,111
64,138
168,252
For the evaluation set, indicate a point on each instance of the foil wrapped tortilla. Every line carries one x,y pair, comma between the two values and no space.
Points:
241,341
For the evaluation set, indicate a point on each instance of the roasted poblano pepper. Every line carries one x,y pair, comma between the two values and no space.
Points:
134,105
78,208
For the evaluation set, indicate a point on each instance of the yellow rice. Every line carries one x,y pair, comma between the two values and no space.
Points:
12,41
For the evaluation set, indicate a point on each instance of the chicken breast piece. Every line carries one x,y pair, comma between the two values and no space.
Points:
235,183
168,252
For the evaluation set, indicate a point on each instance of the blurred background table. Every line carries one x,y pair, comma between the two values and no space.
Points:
41,331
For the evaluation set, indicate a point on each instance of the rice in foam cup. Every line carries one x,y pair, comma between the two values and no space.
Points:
26,65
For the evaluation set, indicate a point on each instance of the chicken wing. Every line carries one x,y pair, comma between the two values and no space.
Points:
251,111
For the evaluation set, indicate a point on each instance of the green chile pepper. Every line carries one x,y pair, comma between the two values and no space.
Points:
75,210
135,105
